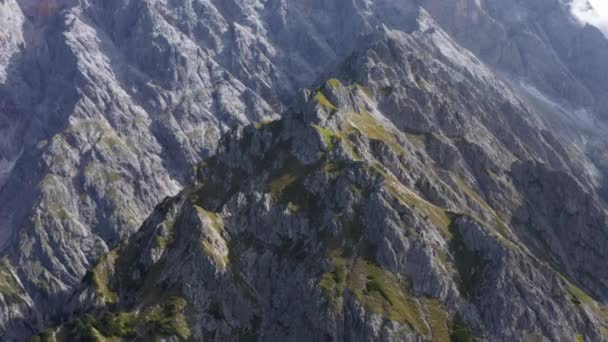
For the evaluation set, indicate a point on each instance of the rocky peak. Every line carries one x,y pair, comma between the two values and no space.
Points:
431,165
335,204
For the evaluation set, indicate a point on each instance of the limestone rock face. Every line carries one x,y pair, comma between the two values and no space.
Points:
348,220
449,180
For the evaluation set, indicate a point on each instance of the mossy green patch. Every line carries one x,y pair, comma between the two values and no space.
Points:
417,140
370,127
381,292
99,276
211,250
439,217
163,320
579,297
286,184
333,282
324,102
168,319
122,324
334,83
293,207
332,169
113,177
212,242
366,90
163,241
579,338
216,221
329,138
459,331
496,223
279,184
9,286
262,124
438,320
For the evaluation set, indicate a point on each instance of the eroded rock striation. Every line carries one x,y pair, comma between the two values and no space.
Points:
448,181
346,221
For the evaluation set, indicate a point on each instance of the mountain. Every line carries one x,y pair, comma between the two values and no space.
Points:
447,181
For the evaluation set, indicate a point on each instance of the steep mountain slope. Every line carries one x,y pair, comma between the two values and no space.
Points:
420,205
106,107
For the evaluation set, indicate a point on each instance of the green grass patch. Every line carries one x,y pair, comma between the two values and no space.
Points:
216,221
329,138
279,184
209,249
381,292
293,207
113,177
209,242
163,241
99,277
290,173
168,319
368,126
332,169
263,123
417,140
123,324
324,102
333,282
438,320
334,83
439,217
580,297
162,320
378,290
497,223
577,295
47,335
9,286
366,90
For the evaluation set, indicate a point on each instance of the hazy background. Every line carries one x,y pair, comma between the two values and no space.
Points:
594,12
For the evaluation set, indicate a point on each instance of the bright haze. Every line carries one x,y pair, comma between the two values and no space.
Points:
593,12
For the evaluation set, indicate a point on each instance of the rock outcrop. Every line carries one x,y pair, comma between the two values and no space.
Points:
473,130
385,205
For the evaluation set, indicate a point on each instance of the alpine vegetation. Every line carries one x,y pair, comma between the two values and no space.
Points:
280,170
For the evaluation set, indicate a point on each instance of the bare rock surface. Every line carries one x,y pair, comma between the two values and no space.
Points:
450,178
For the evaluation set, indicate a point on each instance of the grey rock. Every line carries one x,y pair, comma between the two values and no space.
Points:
106,107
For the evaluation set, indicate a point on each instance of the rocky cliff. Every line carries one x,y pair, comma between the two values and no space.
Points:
347,220
434,191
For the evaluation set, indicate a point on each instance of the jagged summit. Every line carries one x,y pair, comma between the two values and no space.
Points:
332,223
449,179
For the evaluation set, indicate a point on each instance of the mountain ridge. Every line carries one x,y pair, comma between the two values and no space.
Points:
268,203
125,132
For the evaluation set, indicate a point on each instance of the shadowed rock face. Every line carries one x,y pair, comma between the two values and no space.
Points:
537,41
422,177
372,210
